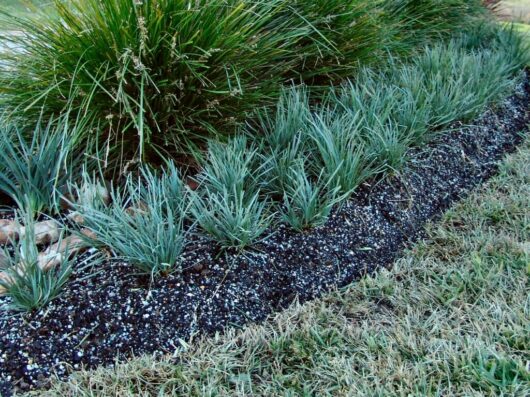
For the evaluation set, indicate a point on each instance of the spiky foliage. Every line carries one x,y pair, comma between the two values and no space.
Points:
228,206
283,136
308,201
171,73
367,126
144,225
27,285
420,22
35,165
340,151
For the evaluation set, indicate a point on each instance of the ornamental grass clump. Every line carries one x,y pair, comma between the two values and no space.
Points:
26,283
317,153
308,200
459,85
228,205
168,74
164,76
412,24
36,164
145,223
340,152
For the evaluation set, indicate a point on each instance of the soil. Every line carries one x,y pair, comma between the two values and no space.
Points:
116,313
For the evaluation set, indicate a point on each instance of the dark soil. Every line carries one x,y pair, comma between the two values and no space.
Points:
117,314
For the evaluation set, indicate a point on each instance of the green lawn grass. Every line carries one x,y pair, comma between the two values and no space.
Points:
449,319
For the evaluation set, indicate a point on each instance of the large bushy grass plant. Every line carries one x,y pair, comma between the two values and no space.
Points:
168,72
163,75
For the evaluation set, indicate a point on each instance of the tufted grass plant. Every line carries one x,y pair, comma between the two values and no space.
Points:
172,73
448,319
228,205
28,286
308,201
232,218
340,152
145,223
165,76
35,165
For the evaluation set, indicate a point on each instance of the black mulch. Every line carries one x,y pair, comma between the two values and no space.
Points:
119,314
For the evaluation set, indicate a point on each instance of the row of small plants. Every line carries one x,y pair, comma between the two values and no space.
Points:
292,164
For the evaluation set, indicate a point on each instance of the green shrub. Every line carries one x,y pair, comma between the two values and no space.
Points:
169,72
416,23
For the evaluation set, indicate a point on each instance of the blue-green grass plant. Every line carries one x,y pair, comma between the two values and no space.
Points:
233,218
368,126
339,151
308,201
145,223
35,165
28,286
228,205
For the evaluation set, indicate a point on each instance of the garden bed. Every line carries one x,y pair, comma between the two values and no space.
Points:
117,314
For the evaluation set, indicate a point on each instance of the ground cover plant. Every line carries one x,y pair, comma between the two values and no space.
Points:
449,318
162,75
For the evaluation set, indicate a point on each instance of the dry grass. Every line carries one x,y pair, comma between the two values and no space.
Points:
517,10
451,318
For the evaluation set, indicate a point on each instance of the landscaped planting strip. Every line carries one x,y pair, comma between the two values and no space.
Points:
448,319
116,313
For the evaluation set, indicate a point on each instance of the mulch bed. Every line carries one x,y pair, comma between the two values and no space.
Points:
118,314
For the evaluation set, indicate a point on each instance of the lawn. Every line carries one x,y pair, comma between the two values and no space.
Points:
449,318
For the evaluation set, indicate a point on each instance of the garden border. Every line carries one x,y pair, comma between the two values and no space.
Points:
116,313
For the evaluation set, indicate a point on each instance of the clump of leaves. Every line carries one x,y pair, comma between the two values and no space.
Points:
145,223
228,205
35,165
28,285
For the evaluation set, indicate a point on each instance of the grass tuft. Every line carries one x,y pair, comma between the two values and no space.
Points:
34,168
228,205
145,223
27,285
